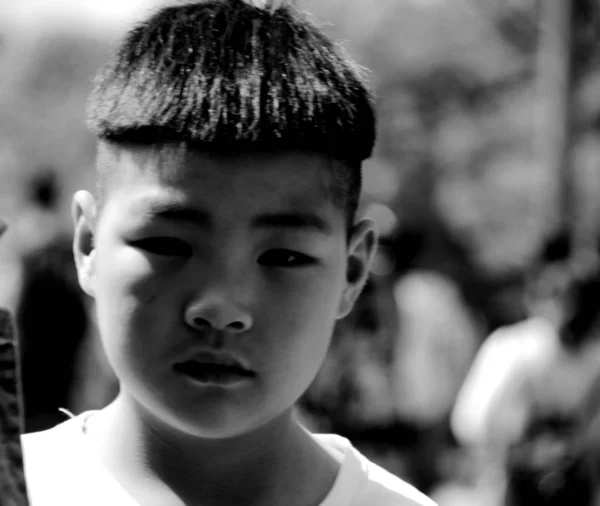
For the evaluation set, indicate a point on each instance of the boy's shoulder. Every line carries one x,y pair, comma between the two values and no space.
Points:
59,469
46,443
361,482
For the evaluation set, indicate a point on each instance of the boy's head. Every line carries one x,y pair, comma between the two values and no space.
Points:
222,246
226,76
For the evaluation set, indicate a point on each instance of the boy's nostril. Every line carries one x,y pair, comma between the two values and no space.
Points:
237,325
202,322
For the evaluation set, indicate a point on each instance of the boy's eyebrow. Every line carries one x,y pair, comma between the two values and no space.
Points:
178,212
293,219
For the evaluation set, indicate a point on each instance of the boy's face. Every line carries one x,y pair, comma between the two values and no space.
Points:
217,280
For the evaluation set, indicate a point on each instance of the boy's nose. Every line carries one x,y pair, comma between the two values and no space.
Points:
205,315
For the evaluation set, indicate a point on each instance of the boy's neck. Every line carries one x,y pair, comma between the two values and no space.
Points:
279,463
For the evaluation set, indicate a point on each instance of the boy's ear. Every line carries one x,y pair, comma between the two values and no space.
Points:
84,215
361,250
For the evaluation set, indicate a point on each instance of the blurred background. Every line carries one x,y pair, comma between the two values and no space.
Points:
484,176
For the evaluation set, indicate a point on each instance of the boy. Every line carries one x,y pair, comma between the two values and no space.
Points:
220,249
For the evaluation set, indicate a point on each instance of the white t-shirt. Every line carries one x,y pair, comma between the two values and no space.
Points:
61,470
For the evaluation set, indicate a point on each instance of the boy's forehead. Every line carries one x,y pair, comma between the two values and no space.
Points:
300,179
120,162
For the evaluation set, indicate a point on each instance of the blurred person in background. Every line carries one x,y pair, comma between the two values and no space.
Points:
436,342
52,322
529,402
434,346
36,224
39,224
51,311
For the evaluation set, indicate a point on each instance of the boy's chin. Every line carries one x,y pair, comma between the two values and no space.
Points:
214,424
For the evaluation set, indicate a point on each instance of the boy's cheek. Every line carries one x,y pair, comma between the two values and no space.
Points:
122,268
129,324
131,292
320,280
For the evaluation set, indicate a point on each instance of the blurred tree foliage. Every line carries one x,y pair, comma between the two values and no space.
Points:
458,94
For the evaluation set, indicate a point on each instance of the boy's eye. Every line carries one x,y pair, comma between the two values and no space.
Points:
164,246
285,258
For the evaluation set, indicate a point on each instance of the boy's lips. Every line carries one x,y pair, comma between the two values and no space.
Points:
219,358
214,367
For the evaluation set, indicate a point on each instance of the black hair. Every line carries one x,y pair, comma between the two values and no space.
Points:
583,324
225,75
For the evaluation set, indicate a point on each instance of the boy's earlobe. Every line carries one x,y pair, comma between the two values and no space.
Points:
361,250
83,213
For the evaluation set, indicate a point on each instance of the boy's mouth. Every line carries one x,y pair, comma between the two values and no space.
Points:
213,369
